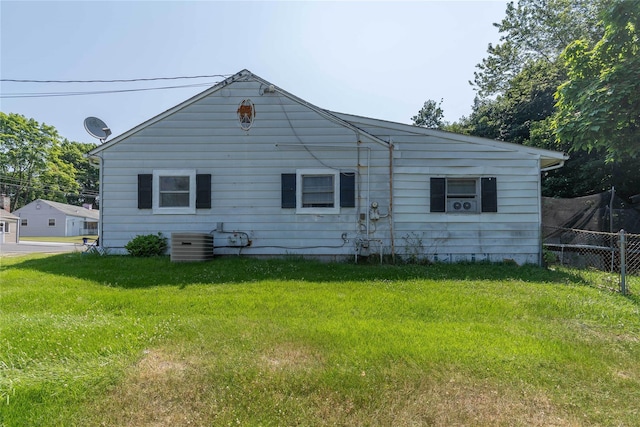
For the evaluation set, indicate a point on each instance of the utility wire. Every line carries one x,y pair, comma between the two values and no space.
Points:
224,76
97,92
18,183
48,189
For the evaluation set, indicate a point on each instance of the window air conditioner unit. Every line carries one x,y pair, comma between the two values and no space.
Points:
462,205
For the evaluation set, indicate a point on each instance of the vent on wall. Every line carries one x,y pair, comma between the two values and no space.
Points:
188,247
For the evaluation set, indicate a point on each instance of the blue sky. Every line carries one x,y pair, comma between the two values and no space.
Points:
371,58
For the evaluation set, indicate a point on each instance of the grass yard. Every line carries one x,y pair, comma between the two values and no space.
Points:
119,341
58,239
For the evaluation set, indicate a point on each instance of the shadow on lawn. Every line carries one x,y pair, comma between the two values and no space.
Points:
130,272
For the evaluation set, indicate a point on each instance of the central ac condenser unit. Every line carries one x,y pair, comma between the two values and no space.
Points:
187,247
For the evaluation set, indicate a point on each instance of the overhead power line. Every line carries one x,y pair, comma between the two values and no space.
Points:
148,79
49,189
96,92
103,92
8,180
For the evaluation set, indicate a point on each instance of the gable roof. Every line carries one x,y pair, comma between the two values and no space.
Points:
69,210
240,76
548,159
6,215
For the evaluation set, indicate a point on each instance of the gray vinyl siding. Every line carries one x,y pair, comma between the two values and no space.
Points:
511,233
38,221
203,135
245,170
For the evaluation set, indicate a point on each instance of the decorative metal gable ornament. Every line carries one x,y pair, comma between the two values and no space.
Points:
246,114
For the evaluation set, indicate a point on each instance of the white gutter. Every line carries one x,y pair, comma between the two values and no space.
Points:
554,167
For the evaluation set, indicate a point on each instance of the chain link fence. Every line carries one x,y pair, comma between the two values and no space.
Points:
617,253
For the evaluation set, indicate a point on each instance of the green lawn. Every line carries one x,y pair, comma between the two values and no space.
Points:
70,239
119,341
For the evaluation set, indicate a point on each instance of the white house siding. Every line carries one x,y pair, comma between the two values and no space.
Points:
246,168
9,229
513,233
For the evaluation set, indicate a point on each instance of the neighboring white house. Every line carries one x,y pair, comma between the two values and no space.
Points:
266,173
9,228
44,218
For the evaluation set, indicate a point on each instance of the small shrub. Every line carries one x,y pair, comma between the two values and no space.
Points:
549,257
147,245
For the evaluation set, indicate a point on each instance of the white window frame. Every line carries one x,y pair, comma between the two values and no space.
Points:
54,222
3,226
24,222
300,173
157,174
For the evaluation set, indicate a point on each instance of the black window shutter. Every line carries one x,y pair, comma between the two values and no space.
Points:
288,181
203,191
438,195
347,190
145,191
489,195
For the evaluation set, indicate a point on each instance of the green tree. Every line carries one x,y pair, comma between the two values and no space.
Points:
599,105
86,176
534,31
430,115
518,81
58,180
36,163
24,147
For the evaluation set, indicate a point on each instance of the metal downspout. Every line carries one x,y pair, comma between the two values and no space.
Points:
391,228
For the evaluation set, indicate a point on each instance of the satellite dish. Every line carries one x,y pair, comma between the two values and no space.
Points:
97,128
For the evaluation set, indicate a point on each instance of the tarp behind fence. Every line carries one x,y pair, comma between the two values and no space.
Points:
598,212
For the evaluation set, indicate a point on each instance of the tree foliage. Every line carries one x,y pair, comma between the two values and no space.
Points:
518,80
36,163
533,31
25,144
87,176
430,115
599,105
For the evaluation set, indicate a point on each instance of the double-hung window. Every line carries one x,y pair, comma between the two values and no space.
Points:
174,191
318,191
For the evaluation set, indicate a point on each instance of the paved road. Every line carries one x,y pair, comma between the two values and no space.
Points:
22,248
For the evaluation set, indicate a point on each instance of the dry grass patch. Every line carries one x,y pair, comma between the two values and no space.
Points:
462,402
290,357
158,391
456,402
